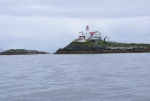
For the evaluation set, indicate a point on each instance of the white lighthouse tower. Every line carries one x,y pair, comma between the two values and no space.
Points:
87,33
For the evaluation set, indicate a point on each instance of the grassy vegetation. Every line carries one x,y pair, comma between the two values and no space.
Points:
16,50
113,44
89,43
109,44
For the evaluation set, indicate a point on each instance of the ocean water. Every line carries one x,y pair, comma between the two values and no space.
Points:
93,77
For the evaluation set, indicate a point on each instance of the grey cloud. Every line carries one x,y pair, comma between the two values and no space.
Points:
77,8
50,24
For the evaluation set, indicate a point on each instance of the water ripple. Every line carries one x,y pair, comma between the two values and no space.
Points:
104,77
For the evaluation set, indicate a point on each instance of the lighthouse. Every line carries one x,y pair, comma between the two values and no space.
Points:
87,35
94,35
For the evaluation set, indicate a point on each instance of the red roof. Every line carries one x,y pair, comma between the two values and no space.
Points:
92,33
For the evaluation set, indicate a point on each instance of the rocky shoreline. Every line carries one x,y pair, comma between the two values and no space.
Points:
22,52
99,49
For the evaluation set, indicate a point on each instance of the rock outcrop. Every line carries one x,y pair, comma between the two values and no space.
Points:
92,48
22,52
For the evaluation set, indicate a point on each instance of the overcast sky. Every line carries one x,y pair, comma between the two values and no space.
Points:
51,24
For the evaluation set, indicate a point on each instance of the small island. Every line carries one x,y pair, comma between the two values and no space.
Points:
99,47
22,52
92,43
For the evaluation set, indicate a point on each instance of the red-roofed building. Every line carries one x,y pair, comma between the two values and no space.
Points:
93,35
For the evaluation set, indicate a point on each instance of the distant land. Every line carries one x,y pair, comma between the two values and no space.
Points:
91,42
22,52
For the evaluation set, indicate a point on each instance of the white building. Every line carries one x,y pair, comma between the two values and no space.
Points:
83,37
